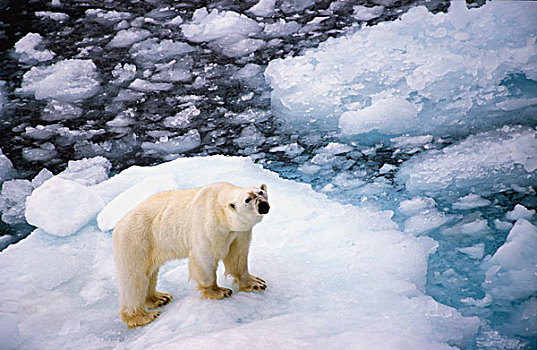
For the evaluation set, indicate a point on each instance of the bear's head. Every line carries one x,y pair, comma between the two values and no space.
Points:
249,205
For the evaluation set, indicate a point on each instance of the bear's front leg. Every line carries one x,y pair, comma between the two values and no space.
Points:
236,264
203,271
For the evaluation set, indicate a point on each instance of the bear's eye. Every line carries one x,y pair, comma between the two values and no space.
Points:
247,200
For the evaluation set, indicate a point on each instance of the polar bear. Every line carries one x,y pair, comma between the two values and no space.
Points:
205,225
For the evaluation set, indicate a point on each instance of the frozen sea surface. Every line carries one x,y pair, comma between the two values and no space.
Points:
339,275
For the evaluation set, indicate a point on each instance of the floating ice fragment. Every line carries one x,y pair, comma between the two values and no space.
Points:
26,48
475,252
55,16
6,167
228,31
39,154
183,118
471,226
416,205
363,13
264,8
127,37
291,150
281,28
67,80
425,221
237,45
12,200
406,142
519,212
175,145
215,25
151,51
176,21
470,201
147,86
386,168
104,16
62,207
512,271
250,137
56,110
485,163
41,177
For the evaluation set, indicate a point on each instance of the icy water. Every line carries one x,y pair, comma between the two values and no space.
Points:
428,113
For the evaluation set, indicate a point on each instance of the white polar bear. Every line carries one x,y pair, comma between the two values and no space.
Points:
206,225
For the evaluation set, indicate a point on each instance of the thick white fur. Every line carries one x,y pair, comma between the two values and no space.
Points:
206,225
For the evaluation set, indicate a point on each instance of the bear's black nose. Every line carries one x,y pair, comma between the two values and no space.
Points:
263,208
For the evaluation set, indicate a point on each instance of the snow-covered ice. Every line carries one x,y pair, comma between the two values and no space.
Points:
439,74
339,276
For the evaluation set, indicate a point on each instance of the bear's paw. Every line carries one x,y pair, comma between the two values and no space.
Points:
140,318
215,292
252,284
159,299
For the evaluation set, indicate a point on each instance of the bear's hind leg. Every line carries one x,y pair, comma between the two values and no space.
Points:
155,299
133,300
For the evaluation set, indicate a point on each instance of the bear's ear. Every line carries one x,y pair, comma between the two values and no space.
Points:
232,205
263,187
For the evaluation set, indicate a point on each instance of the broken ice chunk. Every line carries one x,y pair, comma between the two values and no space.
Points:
471,201
147,86
512,271
67,80
61,207
175,145
519,212
363,13
127,37
475,252
27,49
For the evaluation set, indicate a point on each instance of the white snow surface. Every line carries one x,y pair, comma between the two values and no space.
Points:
339,276
424,73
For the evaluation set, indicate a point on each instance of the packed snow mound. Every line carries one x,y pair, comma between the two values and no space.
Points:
67,80
338,275
484,163
439,74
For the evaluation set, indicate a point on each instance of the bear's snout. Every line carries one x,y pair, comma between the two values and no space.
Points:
263,208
